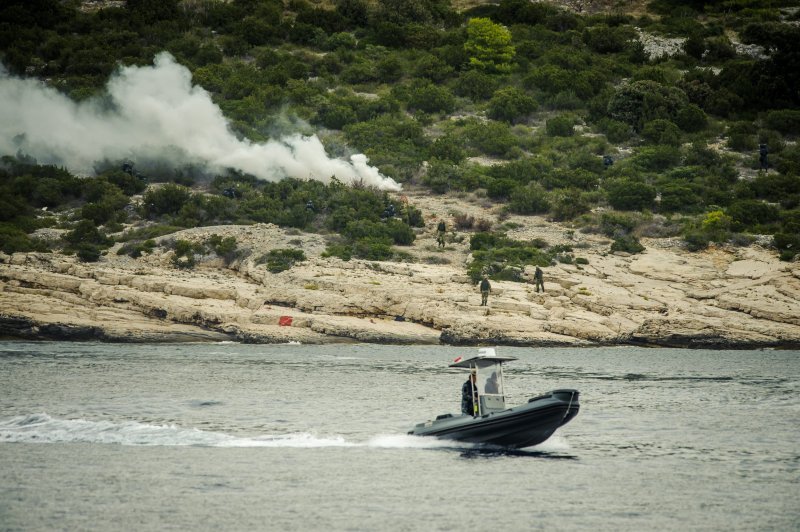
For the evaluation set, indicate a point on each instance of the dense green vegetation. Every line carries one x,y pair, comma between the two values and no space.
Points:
429,95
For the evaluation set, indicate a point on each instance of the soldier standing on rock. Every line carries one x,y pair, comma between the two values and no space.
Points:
485,289
440,231
763,152
538,278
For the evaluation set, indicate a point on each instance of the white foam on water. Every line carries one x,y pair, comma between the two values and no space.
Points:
554,444
407,441
42,428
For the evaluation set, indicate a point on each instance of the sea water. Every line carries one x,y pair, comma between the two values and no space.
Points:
293,437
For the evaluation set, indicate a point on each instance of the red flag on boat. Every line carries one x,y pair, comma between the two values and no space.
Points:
457,360
285,321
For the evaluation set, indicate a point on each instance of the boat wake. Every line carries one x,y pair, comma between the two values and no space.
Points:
42,428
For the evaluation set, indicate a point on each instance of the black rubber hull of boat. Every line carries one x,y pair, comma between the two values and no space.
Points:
521,426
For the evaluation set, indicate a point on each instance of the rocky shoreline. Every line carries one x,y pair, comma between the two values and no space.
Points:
728,298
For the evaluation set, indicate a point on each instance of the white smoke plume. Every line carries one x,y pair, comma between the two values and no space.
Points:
155,113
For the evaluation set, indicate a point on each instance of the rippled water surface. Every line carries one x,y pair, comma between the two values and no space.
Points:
291,437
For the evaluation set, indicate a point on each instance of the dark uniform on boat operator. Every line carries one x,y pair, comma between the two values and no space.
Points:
469,394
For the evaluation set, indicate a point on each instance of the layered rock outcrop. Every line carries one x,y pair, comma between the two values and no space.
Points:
724,297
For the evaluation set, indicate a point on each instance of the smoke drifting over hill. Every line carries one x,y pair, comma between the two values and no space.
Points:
155,113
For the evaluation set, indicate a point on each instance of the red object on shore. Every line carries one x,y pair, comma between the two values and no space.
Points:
285,321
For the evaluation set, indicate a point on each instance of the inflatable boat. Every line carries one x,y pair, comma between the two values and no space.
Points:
490,421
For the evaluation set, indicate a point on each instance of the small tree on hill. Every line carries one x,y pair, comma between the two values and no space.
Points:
489,45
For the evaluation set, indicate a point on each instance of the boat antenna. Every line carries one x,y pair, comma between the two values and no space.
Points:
474,389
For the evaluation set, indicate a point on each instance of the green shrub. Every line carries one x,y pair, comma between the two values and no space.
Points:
225,248
395,231
719,49
488,45
86,232
696,240
550,79
413,216
335,115
13,240
565,100
476,85
656,158
372,248
448,148
400,233
607,40
137,249
560,126
107,208
511,105
88,252
630,194
723,102
679,197
441,176
662,131
184,253
500,189
790,221
641,101
567,204
691,119
615,130
742,142
430,98
340,250
627,244
716,221
165,200
501,257
278,260
787,121
746,214
149,232
614,224
491,138
529,199
776,187
788,244
788,162
129,183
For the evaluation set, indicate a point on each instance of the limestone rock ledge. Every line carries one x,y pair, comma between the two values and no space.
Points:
722,298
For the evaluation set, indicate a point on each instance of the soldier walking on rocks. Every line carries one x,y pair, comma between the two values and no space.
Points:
485,289
538,278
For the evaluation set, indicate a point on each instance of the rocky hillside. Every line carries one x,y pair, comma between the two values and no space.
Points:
665,296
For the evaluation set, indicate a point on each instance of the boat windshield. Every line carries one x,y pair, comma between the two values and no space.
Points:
490,380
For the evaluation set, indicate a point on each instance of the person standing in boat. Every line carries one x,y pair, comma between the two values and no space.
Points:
469,395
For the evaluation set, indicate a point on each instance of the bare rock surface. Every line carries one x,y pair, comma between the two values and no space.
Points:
723,297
